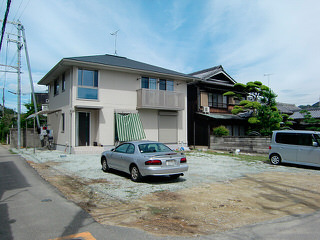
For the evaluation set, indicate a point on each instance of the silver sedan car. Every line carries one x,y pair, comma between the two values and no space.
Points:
144,158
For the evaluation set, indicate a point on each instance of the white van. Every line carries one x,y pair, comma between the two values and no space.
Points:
295,146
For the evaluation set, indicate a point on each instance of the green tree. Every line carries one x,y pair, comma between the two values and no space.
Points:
252,90
268,116
220,131
261,104
286,121
30,111
7,121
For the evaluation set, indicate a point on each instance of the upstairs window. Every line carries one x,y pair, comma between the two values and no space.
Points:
56,87
217,100
63,82
166,85
150,83
87,84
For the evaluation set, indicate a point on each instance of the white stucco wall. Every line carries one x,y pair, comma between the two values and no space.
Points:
149,119
60,102
117,91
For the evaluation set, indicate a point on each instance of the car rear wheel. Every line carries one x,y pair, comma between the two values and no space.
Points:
104,163
275,159
135,174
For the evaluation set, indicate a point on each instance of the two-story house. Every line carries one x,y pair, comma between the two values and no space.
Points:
100,100
209,108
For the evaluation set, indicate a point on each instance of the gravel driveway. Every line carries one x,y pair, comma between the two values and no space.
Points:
204,168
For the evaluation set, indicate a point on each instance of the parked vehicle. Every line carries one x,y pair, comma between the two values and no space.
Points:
144,158
295,146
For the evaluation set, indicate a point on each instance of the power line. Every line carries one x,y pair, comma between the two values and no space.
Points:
4,22
1,5
23,9
14,18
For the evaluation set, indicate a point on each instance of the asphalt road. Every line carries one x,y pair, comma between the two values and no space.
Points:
30,208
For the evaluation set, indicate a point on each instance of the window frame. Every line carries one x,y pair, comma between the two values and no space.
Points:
167,86
63,82
63,122
157,83
217,100
83,87
56,87
149,83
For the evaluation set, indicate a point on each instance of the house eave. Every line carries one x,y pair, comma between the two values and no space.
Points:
65,63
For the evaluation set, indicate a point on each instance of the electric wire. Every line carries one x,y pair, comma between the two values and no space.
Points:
5,22
14,18
1,5
24,9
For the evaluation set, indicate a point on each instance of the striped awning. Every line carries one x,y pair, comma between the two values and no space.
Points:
129,127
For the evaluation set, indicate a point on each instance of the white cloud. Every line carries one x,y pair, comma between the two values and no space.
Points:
249,38
278,37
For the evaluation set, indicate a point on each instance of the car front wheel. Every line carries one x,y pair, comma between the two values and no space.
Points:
104,164
135,174
275,159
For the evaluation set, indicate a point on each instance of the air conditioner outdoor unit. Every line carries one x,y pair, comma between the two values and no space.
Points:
206,110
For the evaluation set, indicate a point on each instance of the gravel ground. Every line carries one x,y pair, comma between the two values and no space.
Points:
204,168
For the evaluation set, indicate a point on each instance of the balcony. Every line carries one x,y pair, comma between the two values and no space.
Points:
159,99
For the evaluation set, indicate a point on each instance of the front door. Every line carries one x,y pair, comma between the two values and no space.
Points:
84,129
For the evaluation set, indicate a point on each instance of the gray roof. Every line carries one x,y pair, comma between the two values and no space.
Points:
203,74
210,75
287,108
117,61
112,61
221,116
315,113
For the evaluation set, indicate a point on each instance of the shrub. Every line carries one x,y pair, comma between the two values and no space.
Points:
220,131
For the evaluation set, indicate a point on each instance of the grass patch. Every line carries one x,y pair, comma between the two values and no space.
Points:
252,158
157,210
12,152
240,157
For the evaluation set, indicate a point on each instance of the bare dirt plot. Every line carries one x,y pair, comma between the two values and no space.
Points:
202,209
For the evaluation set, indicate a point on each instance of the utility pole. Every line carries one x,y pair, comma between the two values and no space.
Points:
30,75
19,46
21,36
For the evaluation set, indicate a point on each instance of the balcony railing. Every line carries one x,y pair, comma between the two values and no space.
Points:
159,99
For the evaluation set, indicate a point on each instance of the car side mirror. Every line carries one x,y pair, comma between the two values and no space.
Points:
112,150
315,144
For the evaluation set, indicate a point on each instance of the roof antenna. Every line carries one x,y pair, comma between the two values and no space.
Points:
115,34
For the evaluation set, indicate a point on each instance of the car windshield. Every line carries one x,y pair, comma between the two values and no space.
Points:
153,147
317,137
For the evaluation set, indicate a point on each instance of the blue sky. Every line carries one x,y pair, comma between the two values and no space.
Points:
248,38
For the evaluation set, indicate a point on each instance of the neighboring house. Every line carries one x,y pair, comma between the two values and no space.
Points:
41,98
100,100
208,108
298,117
286,108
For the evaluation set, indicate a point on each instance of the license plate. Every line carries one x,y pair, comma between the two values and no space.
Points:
170,162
